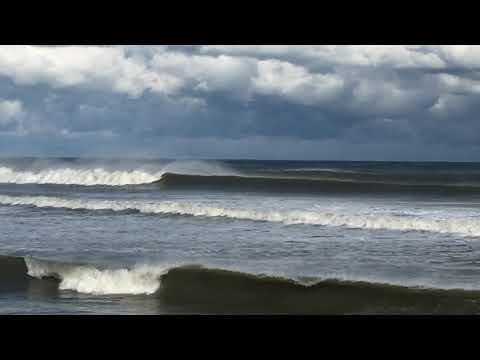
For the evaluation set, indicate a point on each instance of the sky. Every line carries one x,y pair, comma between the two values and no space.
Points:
298,102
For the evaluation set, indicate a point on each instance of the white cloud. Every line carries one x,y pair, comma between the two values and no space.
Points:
354,83
106,68
456,84
205,73
466,56
349,55
246,76
290,72
11,111
295,83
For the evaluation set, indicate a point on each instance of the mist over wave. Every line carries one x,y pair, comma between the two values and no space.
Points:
104,174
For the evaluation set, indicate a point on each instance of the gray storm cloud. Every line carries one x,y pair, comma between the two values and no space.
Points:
321,102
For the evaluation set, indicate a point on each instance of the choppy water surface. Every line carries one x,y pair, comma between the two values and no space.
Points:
153,237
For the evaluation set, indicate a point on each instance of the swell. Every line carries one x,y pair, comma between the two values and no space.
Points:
215,177
468,227
14,278
196,289
339,184
221,291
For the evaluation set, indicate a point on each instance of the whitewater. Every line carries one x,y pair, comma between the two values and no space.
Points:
461,226
71,176
91,280
116,236
105,174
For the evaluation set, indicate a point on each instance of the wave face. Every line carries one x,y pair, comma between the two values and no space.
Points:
196,289
338,184
469,227
206,290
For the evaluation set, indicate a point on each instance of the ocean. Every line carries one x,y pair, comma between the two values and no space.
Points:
118,236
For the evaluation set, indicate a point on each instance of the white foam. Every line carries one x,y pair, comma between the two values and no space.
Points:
112,177
72,176
90,280
331,217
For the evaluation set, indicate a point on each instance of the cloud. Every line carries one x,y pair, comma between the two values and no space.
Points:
12,114
295,83
454,84
93,67
347,55
466,56
10,110
202,74
88,98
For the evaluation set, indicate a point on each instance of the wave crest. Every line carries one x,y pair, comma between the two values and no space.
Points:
72,176
469,227
102,175
91,280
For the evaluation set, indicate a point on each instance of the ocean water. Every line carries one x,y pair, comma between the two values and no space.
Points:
86,236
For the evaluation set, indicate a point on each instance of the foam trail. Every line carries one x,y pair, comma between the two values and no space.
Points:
90,280
453,225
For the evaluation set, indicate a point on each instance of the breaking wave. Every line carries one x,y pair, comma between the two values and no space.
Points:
221,176
72,176
469,227
103,175
91,280
197,289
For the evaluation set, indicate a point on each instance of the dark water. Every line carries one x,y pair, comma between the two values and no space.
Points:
244,237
